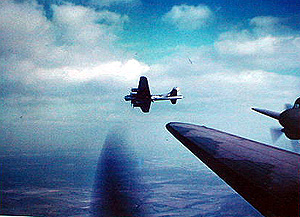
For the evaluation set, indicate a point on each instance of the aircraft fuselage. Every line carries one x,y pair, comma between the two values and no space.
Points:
164,97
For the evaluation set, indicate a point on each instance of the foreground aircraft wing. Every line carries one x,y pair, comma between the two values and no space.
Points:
267,177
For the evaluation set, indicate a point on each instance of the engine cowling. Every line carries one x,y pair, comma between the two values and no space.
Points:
134,89
136,104
173,101
291,134
128,98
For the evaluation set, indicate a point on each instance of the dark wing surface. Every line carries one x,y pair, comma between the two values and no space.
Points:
143,94
267,177
143,89
145,106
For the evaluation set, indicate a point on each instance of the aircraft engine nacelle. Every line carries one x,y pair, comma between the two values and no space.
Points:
173,101
134,89
136,105
128,98
291,134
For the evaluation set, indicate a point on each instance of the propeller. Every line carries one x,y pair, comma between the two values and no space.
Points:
288,106
276,133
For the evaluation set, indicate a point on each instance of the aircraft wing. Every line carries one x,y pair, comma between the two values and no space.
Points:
145,105
143,89
143,94
265,176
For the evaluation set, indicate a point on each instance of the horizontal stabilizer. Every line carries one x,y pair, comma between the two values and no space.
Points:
269,113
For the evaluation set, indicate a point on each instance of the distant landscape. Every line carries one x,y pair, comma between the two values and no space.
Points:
62,185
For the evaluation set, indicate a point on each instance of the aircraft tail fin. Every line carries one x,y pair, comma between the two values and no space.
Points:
174,92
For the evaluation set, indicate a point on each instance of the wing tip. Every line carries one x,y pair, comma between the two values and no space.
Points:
169,125
255,109
173,123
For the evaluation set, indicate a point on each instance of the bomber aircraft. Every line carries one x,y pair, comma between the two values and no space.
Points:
141,97
289,120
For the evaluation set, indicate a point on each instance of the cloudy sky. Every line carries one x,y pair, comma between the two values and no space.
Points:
66,66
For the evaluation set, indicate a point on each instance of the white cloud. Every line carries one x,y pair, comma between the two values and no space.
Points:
262,46
114,2
77,44
265,21
24,29
266,25
212,75
82,25
123,71
188,17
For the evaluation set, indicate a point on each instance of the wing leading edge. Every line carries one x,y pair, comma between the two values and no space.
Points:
267,177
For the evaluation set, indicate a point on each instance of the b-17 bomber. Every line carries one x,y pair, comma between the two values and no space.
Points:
141,97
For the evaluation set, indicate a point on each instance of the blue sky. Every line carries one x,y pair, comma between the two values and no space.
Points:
66,66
